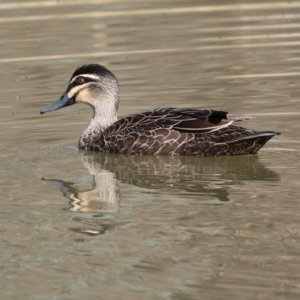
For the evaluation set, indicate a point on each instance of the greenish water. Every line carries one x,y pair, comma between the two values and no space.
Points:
77,226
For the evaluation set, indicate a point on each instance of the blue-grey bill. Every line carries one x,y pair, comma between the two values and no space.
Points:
60,103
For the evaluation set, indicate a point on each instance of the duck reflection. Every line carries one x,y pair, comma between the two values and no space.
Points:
209,180
173,175
103,197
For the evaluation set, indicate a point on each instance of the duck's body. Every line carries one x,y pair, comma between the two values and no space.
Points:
165,131
173,131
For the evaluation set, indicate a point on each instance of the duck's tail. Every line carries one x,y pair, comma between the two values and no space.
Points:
250,144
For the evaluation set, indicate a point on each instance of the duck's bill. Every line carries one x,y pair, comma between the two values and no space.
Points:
60,103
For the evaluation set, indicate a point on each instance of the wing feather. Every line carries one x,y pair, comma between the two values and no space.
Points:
182,120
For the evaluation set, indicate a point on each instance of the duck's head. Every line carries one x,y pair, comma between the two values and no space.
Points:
91,84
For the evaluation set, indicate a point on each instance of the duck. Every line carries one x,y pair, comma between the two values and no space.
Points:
160,131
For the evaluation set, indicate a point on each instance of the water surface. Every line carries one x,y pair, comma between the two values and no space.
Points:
97,226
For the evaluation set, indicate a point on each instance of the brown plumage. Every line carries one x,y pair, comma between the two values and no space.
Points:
171,131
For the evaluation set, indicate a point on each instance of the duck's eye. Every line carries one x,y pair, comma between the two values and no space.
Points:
80,80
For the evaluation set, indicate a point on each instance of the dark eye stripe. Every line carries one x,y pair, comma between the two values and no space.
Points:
74,83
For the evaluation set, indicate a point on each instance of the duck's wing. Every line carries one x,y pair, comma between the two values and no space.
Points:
181,132
182,120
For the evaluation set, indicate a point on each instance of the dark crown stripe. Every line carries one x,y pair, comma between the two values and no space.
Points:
93,69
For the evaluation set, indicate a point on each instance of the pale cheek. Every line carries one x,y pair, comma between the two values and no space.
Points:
84,97
73,91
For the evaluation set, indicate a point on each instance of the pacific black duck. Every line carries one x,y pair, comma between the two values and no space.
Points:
172,131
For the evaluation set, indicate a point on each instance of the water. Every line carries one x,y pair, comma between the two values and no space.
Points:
77,226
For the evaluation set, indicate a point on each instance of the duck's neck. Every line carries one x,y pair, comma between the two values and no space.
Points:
103,118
